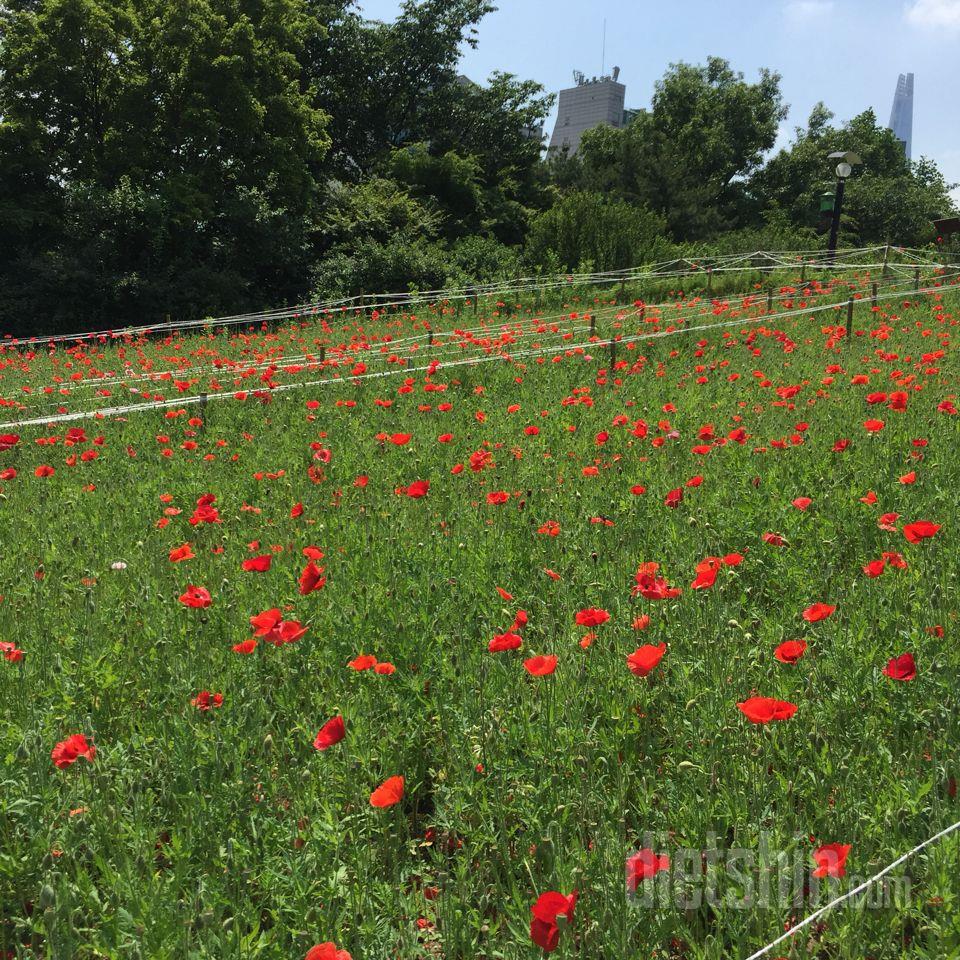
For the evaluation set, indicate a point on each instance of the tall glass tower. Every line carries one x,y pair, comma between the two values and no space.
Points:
901,116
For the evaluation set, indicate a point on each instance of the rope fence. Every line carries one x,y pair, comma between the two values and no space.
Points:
591,344
442,341
758,261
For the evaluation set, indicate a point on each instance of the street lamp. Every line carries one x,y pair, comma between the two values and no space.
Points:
846,159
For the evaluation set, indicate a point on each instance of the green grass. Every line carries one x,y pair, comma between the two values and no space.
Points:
226,834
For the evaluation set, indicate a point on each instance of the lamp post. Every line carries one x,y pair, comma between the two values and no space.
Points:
846,160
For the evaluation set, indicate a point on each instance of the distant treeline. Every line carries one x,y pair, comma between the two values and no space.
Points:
202,157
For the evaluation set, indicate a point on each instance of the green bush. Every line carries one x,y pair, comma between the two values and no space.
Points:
586,230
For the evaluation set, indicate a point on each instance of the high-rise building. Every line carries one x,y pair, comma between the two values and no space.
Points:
586,105
901,116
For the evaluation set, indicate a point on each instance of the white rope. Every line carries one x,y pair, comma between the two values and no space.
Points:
817,259
474,361
447,340
852,893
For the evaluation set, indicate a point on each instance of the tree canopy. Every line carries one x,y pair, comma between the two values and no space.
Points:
195,157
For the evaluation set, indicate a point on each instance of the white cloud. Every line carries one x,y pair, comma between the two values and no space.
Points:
934,13
803,11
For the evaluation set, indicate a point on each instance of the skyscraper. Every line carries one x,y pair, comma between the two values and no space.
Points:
901,116
587,105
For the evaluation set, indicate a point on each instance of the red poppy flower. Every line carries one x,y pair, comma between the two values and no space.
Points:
287,631
774,539
790,651
384,669
873,426
327,951
10,652
259,564
874,568
766,709
674,498
311,579
68,751
296,511
540,666
644,659
831,859
363,662
505,641
801,503
653,587
641,622
332,732
550,906
264,622
643,865
706,577
591,617
181,553
195,597
496,497
903,667
205,700
388,793
248,646
416,490
817,612
920,530
44,470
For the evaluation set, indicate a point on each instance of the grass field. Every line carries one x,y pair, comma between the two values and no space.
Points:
353,549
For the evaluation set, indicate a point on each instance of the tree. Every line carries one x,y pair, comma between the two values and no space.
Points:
592,231
888,199
166,148
392,87
385,85
449,184
689,156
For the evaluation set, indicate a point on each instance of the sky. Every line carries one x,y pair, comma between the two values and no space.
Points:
847,53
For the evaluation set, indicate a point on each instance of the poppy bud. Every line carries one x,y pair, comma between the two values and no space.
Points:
48,897
268,743
545,855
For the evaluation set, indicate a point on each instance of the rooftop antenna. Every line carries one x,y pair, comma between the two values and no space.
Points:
603,53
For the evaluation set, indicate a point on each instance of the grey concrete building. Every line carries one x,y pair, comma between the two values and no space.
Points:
586,105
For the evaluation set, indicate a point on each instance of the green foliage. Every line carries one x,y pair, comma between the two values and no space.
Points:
385,85
686,157
449,183
167,150
590,230
201,157
208,835
887,200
